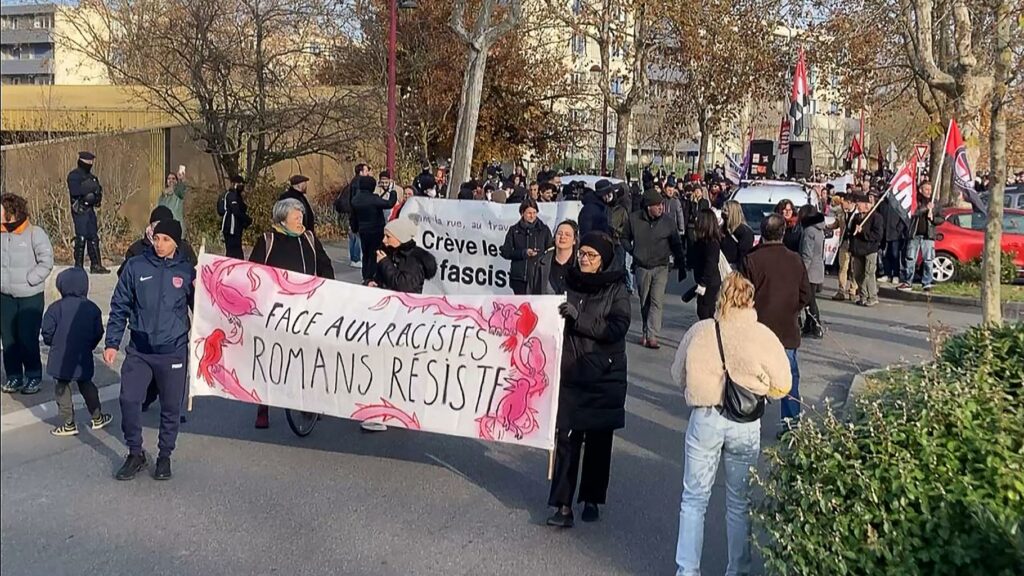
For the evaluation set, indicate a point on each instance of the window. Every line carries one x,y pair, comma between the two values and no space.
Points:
577,79
43,21
579,44
616,86
1013,223
577,7
833,109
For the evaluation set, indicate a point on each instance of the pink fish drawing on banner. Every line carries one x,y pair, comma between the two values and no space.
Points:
514,413
385,412
233,304
211,368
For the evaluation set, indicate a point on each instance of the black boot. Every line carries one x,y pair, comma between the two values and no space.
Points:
79,251
95,259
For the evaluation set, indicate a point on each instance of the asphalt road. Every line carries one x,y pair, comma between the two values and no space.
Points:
254,502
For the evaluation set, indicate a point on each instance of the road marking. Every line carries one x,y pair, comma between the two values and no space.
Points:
48,410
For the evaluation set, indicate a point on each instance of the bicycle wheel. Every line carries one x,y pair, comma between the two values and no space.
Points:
302,423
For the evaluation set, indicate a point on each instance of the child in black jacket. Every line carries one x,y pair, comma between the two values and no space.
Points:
72,327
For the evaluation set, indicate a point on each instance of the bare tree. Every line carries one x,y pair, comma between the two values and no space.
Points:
241,75
722,54
488,27
625,36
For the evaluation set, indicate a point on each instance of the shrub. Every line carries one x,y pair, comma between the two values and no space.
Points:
971,271
205,224
996,352
927,477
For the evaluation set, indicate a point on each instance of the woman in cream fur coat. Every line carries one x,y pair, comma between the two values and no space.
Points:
757,361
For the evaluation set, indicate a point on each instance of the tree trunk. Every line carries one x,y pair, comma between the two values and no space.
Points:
991,304
622,118
469,117
702,149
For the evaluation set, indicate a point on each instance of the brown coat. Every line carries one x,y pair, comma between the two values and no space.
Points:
781,290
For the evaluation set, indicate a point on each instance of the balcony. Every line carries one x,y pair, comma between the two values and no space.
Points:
25,67
22,37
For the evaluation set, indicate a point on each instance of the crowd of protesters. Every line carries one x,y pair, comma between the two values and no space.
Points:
628,238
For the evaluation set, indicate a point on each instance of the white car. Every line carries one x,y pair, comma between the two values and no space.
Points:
759,198
588,180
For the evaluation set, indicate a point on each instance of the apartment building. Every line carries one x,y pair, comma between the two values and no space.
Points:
34,48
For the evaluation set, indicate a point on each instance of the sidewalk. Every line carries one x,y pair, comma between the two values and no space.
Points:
101,287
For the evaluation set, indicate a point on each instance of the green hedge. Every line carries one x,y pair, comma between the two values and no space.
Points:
970,272
925,478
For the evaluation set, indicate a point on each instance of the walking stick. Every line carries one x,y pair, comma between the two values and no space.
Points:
551,464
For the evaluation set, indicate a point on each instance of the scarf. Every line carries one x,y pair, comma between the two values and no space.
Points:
284,230
11,227
576,280
527,225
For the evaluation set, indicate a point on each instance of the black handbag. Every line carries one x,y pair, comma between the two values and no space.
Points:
738,404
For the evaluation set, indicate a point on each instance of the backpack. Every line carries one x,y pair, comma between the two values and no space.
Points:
222,203
343,203
738,404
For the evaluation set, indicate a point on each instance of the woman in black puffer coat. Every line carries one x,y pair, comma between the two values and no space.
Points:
403,266
524,243
592,397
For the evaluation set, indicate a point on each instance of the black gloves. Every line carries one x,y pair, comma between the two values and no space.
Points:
568,311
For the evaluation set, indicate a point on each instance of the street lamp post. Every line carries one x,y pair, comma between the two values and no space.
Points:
392,120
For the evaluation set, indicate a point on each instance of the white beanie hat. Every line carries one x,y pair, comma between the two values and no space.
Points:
402,229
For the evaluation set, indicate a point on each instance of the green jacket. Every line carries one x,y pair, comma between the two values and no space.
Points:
174,200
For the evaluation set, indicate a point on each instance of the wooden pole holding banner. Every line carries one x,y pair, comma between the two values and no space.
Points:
191,338
551,464
937,185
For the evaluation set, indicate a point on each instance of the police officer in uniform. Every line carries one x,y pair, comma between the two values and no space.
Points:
86,195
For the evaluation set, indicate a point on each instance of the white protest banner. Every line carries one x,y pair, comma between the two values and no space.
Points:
832,244
465,236
477,366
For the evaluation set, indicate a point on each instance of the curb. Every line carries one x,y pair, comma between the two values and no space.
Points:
860,382
1010,309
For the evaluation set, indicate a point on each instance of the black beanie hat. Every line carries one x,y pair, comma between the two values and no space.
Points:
603,244
170,228
160,213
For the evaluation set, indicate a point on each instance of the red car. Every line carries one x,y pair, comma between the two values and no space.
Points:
961,238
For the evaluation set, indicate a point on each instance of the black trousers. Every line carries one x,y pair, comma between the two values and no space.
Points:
813,319
137,371
597,460
519,287
371,242
233,246
20,320
706,303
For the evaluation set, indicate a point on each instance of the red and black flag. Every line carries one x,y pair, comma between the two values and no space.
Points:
800,97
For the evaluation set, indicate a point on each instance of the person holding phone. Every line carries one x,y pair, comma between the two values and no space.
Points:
524,243
173,195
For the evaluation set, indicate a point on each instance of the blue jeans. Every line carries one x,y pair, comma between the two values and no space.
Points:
791,403
355,250
927,249
708,436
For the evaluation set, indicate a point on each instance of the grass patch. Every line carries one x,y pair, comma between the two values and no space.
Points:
1008,292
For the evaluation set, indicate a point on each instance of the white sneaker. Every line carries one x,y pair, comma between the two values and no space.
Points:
356,264
883,280
372,426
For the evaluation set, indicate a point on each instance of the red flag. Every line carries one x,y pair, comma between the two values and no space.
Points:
784,136
956,149
903,188
800,95
856,149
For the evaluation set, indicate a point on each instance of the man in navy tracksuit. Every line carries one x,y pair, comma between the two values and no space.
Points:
152,298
